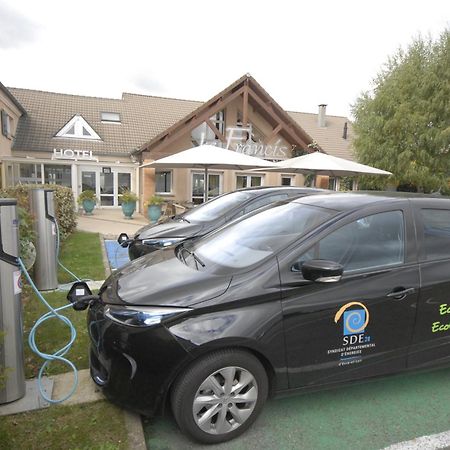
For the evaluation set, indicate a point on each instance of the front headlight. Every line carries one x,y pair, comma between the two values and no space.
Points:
163,242
141,316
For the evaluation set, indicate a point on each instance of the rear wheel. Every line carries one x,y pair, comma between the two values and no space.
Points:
219,396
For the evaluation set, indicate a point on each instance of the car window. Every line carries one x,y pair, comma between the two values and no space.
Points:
263,201
259,236
373,241
436,233
217,207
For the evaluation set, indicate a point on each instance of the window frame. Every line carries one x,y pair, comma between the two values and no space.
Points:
291,177
421,231
103,120
170,192
288,257
6,124
249,179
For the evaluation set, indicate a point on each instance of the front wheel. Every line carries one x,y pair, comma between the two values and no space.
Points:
219,396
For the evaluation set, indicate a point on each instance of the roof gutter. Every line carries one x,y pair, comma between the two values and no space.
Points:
12,98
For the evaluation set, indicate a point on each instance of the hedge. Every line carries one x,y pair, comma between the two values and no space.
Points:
64,208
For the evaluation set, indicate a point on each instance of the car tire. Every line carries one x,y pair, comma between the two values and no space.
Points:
219,396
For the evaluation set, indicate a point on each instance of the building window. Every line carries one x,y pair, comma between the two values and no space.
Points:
243,181
163,181
198,186
110,117
6,124
30,173
78,128
287,180
58,174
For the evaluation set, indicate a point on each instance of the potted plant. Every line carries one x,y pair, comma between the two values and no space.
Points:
129,200
154,208
87,199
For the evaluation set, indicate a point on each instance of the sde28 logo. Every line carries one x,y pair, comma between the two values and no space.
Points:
354,322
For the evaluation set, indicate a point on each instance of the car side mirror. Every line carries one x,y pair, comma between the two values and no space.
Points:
80,295
123,239
322,271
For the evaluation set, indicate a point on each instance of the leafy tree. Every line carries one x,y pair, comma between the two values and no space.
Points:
403,126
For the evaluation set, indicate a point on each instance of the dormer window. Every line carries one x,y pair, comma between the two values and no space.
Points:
110,117
78,128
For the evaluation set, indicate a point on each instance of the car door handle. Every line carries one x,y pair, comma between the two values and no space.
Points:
400,294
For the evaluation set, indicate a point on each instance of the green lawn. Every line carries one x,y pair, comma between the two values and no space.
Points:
89,426
81,253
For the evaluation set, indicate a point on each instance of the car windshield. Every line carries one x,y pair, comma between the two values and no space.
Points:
256,238
216,207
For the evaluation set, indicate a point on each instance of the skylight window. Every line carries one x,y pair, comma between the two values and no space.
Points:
110,117
78,128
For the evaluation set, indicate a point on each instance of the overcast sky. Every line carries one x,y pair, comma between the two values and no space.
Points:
303,53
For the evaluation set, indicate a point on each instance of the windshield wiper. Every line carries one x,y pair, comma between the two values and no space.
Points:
184,219
196,258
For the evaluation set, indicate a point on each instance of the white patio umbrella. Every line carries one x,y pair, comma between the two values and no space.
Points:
207,157
322,164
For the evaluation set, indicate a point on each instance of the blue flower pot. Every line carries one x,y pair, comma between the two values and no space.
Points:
88,206
128,209
154,213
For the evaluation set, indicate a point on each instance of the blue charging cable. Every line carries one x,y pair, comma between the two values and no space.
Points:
53,313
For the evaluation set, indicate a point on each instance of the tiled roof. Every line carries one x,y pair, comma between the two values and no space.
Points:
142,118
329,137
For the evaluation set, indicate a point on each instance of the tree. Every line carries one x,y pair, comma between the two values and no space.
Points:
403,126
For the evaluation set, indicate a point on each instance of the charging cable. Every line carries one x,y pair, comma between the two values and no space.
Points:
53,313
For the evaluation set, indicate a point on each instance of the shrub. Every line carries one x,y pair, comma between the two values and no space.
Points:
155,200
64,208
87,195
129,197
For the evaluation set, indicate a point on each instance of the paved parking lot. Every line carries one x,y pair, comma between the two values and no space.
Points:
370,416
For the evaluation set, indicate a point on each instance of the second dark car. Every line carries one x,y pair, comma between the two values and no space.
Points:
207,217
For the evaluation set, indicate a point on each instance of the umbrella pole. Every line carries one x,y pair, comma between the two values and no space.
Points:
206,185
338,183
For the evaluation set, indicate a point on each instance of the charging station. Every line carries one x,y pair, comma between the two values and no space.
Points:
11,342
45,267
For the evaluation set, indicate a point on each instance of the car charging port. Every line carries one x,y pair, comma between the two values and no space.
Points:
123,240
81,296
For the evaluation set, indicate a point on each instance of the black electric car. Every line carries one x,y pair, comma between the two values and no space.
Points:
207,217
313,293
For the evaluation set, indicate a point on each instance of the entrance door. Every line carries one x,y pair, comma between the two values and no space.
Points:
198,186
108,183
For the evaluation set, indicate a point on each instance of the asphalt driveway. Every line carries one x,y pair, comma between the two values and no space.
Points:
371,416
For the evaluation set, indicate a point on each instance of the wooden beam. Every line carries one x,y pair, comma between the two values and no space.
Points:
215,130
276,118
275,131
164,142
245,107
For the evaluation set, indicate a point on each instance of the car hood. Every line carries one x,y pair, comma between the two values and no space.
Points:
172,229
160,278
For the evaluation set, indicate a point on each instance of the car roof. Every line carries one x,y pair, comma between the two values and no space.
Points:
355,200
259,190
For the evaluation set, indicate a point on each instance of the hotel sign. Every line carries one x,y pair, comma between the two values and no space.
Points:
74,155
